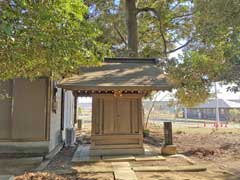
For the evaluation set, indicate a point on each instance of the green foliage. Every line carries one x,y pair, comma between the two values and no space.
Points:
146,133
193,77
172,23
46,38
217,23
54,38
207,31
234,115
163,26
214,53
79,110
110,18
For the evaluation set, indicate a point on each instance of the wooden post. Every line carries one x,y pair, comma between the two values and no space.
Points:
75,107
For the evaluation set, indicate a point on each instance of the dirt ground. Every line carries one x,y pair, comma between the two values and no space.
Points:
52,176
218,150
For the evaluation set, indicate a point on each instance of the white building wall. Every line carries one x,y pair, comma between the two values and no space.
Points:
68,111
55,123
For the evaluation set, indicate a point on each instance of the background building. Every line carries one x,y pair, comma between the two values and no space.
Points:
208,110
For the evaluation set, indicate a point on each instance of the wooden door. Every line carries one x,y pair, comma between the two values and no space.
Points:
109,115
123,119
116,115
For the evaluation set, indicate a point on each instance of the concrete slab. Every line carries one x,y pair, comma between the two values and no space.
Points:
54,151
125,175
148,151
123,171
190,161
94,170
82,155
6,177
120,164
98,167
21,161
118,151
150,158
43,165
193,168
151,169
118,158
85,159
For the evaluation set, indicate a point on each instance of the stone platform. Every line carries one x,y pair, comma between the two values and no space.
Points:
83,154
126,167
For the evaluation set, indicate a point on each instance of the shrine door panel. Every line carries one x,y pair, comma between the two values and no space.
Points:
123,119
108,115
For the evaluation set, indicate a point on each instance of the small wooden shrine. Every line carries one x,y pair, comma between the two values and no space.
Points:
117,88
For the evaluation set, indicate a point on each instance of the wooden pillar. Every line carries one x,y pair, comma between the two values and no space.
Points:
75,109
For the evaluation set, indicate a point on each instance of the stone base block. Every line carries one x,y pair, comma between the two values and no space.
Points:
27,148
6,177
118,151
169,150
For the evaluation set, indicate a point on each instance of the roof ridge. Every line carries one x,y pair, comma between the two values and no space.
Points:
131,60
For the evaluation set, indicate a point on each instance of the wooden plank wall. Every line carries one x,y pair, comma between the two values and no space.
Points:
27,120
117,121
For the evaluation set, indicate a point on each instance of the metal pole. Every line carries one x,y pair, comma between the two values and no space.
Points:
217,105
185,113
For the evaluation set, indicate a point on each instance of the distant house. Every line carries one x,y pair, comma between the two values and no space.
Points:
208,109
159,106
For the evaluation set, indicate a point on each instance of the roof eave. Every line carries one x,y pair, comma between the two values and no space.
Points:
148,88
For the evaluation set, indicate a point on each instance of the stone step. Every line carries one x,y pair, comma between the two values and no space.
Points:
123,171
118,158
124,175
21,161
150,158
81,155
151,169
191,168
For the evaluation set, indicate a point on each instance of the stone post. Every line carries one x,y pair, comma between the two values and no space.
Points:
168,147
168,133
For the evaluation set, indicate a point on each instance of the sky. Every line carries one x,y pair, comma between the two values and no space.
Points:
222,93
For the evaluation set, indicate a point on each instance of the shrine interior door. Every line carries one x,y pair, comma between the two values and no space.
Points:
117,122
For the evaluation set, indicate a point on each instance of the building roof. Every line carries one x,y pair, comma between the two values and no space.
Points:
119,73
222,103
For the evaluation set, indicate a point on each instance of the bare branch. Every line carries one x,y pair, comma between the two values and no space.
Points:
177,4
180,47
156,14
181,16
120,34
163,38
147,9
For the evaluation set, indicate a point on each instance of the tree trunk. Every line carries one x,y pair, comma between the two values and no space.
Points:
131,12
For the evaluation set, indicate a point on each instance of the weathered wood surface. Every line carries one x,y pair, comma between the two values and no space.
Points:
117,125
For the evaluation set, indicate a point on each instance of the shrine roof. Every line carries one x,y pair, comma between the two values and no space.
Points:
119,73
